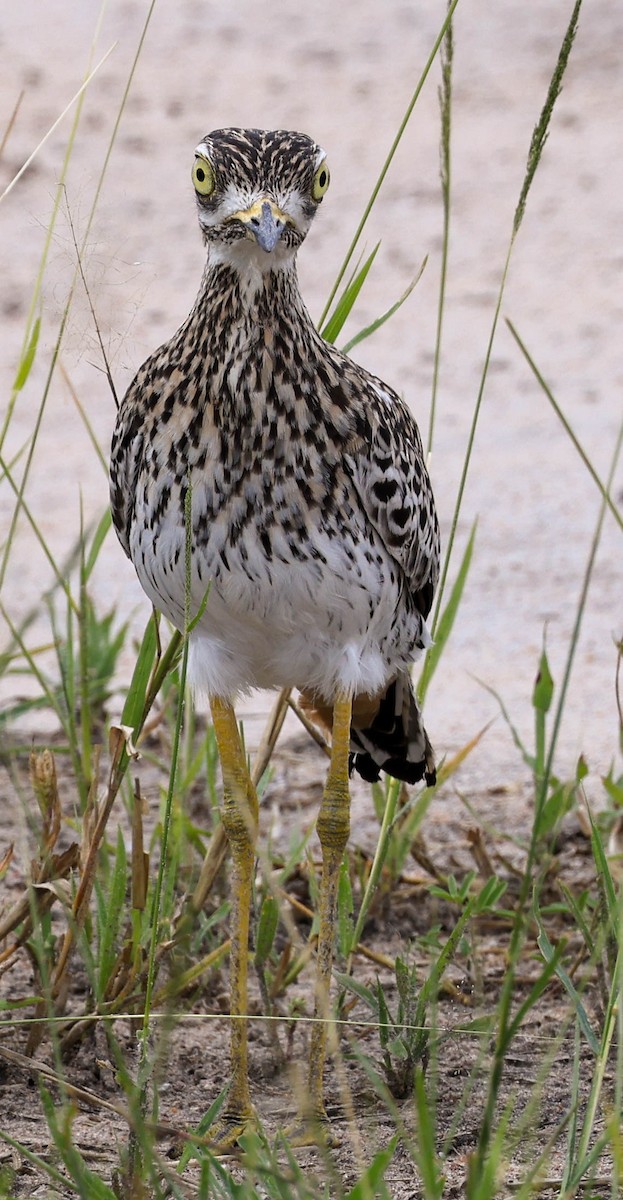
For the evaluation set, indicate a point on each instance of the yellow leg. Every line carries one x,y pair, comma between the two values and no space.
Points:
333,827
239,816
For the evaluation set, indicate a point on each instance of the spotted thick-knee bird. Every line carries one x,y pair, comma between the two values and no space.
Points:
312,525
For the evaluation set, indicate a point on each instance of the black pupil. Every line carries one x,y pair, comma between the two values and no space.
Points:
201,174
322,178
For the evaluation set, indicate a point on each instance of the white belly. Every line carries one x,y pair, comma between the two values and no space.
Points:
323,625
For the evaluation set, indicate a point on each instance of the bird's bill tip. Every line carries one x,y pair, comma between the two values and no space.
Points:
265,222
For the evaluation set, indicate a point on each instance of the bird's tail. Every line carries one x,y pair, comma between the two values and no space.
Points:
387,734
395,740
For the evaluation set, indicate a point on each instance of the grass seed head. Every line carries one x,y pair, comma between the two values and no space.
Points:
45,787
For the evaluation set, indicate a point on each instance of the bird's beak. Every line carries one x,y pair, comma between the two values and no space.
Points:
265,221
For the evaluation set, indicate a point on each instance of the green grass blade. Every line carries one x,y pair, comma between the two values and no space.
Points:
134,706
486,898
446,620
426,1155
369,1183
27,359
87,1183
388,161
166,662
344,306
266,929
344,911
616,512
114,907
374,325
604,874
379,858
359,989
99,536
572,1131
578,916
46,1168
586,1157
514,732
201,1129
547,950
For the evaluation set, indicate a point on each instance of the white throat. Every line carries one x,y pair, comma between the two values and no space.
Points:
251,264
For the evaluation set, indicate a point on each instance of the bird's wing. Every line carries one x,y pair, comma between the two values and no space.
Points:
126,458
395,491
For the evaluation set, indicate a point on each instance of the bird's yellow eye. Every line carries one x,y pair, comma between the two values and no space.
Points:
321,182
203,177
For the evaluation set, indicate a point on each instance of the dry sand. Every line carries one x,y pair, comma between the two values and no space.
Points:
344,73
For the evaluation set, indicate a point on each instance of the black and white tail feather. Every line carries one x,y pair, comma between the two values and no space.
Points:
396,740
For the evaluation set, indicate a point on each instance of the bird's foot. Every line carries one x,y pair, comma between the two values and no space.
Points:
312,1129
225,1134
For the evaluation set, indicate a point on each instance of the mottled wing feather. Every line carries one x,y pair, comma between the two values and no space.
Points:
395,491
126,458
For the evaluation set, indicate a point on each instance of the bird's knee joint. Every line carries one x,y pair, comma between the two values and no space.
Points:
333,829
239,825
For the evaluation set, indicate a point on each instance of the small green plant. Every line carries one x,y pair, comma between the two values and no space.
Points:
557,797
404,1043
404,1035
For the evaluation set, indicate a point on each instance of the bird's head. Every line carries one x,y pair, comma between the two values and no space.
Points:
257,193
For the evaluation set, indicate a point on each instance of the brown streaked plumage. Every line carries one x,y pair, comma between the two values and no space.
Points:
314,531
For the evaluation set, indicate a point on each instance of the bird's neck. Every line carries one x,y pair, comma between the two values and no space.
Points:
244,290
247,324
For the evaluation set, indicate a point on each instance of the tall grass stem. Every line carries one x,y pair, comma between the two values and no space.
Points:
445,146
388,161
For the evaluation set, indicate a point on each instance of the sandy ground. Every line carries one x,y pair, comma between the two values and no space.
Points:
344,73
191,1063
